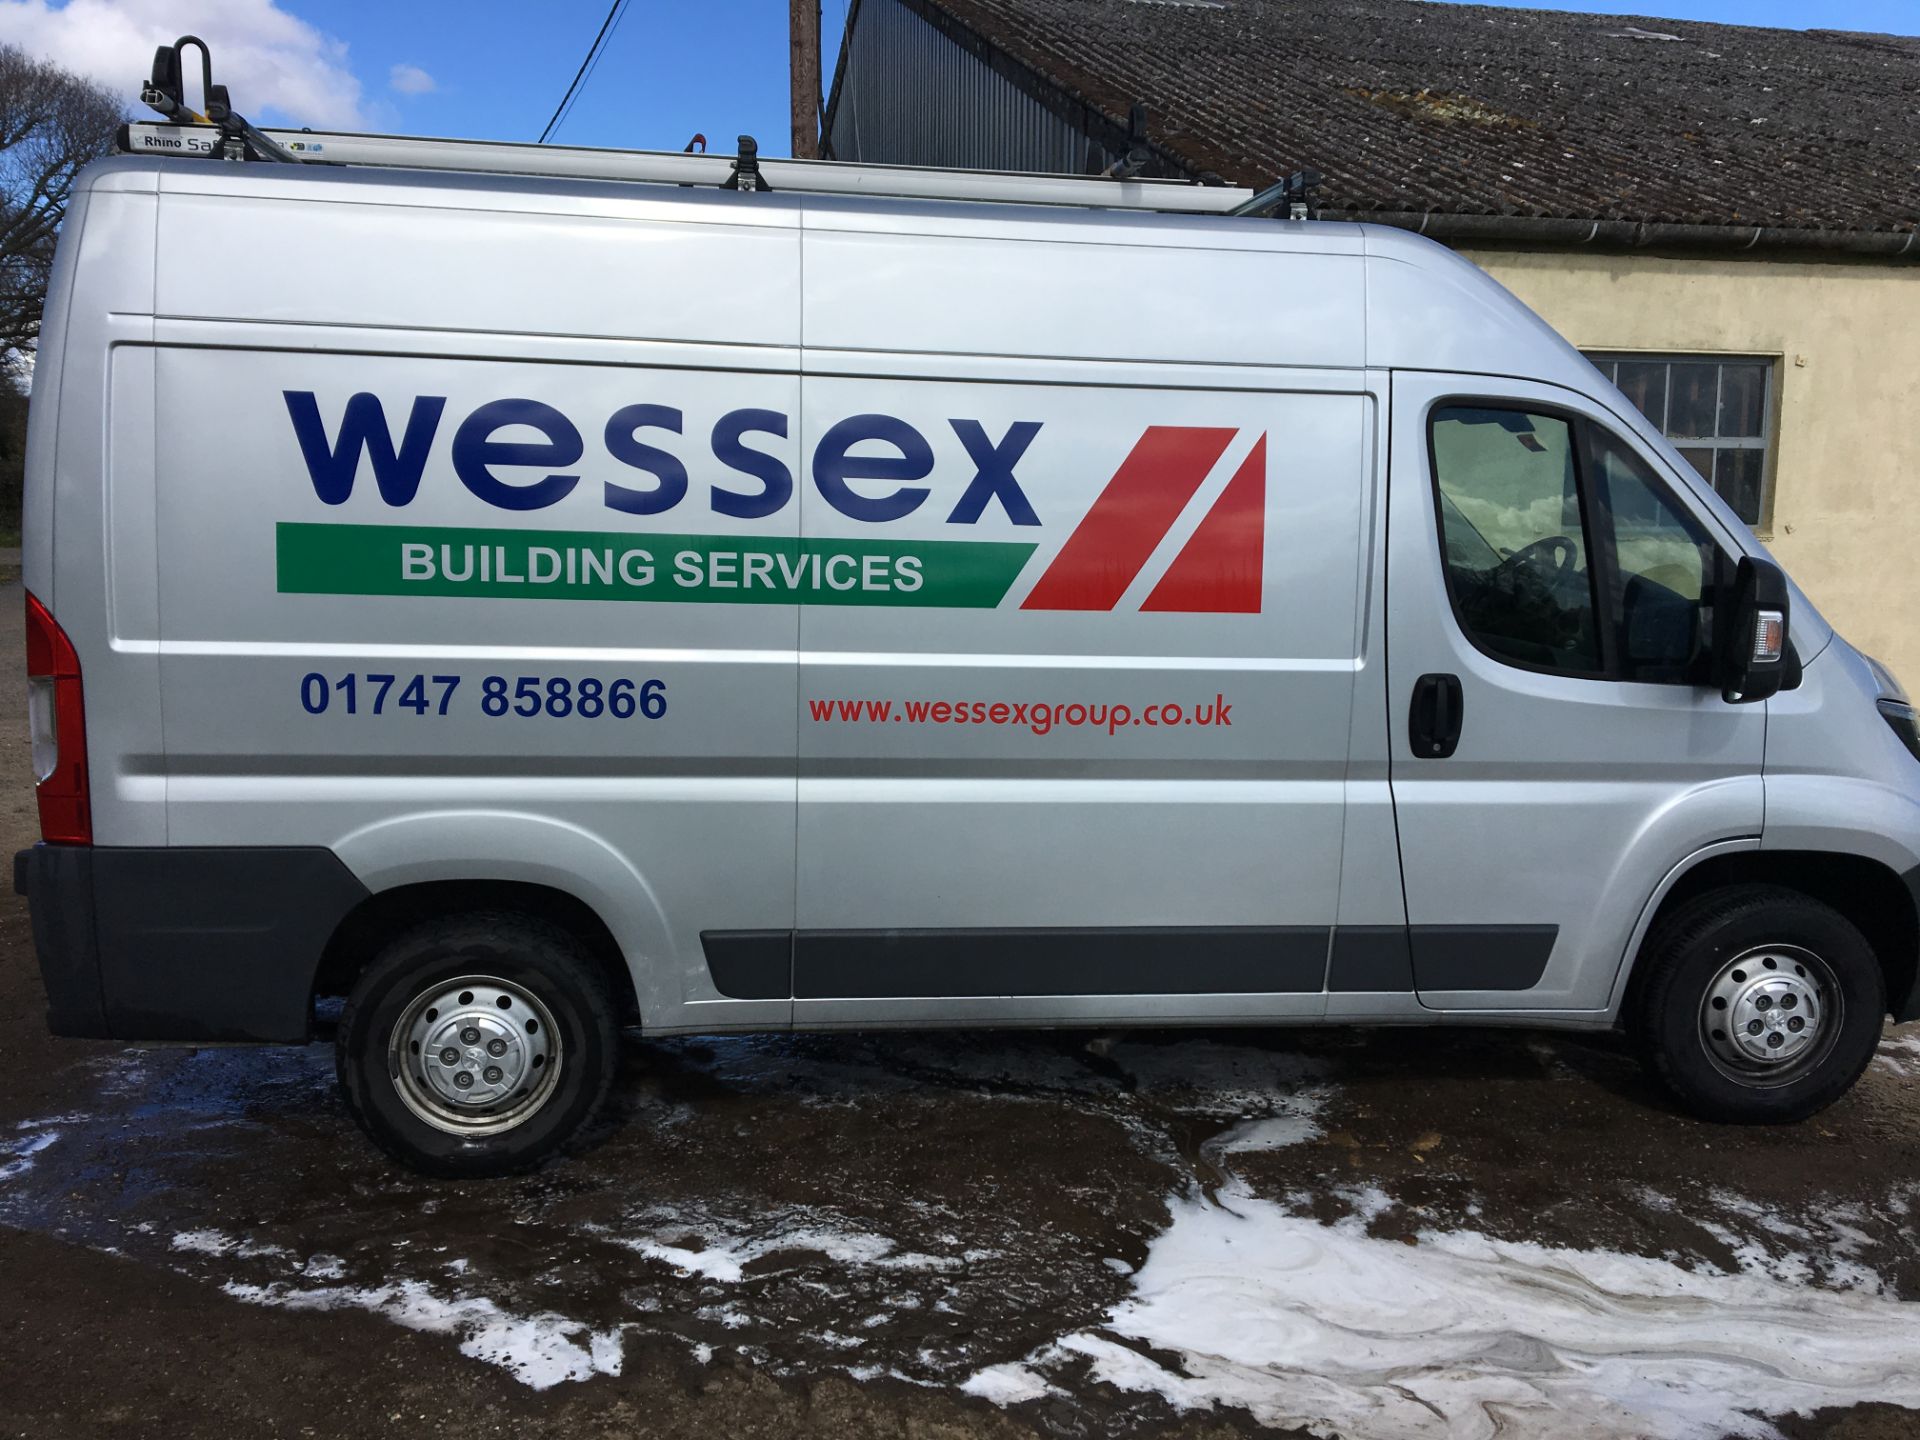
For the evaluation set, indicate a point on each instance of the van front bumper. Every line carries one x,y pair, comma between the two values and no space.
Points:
180,943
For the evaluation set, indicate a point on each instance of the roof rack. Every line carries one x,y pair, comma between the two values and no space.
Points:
224,134
747,171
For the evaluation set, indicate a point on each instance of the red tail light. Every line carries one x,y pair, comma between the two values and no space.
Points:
57,717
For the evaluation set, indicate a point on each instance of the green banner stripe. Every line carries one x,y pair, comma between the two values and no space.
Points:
603,565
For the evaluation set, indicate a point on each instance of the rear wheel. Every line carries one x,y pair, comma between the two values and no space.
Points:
478,1046
1758,1005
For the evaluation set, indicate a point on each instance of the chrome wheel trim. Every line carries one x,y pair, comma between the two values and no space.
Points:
474,1056
1771,1015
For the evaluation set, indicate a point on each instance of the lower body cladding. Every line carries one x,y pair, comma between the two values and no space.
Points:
1205,960
183,944
223,944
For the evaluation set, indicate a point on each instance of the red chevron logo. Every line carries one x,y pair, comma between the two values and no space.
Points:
1218,570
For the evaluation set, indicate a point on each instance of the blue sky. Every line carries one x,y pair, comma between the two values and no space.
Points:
717,67
495,69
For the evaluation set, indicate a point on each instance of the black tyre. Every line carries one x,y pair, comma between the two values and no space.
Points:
1758,1005
478,1045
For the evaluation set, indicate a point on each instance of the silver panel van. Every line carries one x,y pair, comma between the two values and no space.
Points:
530,605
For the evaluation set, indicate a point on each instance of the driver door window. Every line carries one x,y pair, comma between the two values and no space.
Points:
1515,537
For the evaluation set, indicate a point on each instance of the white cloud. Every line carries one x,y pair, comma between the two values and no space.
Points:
276,67
411,80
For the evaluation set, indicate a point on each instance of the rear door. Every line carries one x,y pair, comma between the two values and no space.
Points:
1555,750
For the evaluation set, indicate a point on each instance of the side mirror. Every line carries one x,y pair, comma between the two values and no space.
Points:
1751,656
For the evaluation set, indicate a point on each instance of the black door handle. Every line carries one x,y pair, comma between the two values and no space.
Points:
1433,723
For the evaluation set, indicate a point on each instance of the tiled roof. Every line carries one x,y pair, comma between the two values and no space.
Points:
1409,106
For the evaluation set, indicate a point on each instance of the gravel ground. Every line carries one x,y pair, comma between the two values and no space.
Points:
1370,1235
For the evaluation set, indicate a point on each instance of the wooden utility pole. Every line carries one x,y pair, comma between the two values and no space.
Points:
804,28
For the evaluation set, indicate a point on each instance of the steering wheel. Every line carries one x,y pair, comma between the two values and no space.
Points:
1559,551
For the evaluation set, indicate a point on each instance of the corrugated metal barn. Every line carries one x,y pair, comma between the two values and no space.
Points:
915,86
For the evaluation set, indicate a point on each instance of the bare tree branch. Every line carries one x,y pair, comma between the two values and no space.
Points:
52,123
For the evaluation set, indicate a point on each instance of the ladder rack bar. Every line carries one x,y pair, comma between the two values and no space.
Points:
818,177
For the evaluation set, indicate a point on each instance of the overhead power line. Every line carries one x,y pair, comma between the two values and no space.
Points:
587,65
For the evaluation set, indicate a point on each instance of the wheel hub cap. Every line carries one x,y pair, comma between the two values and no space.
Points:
1766,1014
475,1055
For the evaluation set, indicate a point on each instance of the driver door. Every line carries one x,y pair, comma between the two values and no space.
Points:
1554,752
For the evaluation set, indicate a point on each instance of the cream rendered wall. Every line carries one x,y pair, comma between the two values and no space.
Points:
1845,471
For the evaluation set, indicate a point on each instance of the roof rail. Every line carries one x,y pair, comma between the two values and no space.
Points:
223,134
820,177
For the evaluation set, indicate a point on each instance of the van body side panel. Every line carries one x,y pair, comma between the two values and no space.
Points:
1430,309
454,615
456,253
1097,745
44,410
101,513
1838,778
1110,782
1003,282
352,674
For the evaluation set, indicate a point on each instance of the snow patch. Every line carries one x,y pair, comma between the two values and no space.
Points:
1464,1336
16,1156
1274,1132
78,1117
715,1263
1009,1384
723,1256
203,1242
1819,1250
538,1350
218,1242
1900,1055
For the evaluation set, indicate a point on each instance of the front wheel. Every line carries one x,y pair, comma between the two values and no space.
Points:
1758,1005
477,1046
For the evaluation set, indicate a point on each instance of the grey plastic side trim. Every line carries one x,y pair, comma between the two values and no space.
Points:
1370,958
750,964
1481,957
1253,960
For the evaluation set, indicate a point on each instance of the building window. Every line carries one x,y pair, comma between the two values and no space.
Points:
1718,412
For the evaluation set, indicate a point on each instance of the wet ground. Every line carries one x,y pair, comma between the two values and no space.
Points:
1372,1235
